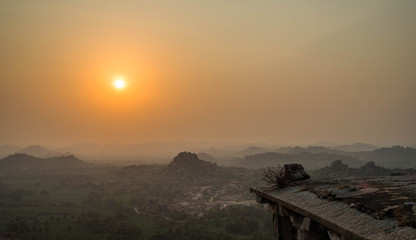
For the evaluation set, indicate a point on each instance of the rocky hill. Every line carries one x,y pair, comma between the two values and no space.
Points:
190,160
187,177
187,166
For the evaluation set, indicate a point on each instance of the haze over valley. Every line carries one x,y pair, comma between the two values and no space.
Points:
152,120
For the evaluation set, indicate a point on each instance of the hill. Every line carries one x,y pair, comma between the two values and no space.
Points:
310,149
36,151
143,153
390,157
337,169
356,147
307,159
251,151
23,163
187,164
186,170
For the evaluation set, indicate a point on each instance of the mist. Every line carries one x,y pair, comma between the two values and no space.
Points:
237,72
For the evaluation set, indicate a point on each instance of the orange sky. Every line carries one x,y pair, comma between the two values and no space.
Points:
288,72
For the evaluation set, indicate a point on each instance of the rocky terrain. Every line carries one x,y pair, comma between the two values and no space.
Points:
193,186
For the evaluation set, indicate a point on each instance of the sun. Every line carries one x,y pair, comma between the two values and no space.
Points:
119,83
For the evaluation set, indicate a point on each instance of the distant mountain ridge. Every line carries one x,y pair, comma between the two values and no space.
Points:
311,149
41,152
338,169
23,163
356,147
307,159
36,151
313,157
251,150
391,157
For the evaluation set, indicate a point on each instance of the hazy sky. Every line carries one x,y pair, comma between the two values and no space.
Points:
288,72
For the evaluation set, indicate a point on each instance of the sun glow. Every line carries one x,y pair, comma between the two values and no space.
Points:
119,83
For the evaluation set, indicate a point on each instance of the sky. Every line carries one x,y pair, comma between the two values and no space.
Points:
282,72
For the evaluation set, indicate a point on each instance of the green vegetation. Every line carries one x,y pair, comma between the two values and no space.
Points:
118,203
